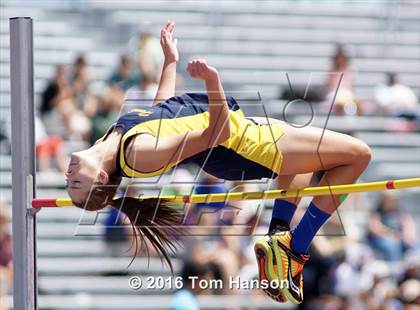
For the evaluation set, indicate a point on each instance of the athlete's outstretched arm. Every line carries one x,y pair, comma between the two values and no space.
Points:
218,129
168,77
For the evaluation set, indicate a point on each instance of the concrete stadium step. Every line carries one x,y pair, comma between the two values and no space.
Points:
395,155
61,42
46,180
351,37
39,85
265,77
41,27
45,72
101,285
395,139
47,60
279,49
103,265
5,163
354,123
387,171
4,112
258,72
307,64
52,57
57,215
270,91
111,302
8,11
298,49
156,302
251,20
69,231
238,47
70,216
88,227
287,20
326,9
75,248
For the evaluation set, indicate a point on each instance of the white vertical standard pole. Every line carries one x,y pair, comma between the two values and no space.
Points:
23,163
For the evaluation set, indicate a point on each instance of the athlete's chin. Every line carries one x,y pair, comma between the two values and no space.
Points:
74,158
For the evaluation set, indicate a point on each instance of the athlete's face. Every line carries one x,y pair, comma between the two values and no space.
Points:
80,175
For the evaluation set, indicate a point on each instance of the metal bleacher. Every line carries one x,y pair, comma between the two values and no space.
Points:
289,36
253,45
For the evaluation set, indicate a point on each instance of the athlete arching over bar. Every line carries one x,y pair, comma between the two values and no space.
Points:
211,130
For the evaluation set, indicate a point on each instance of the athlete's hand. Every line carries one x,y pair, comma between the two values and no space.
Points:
199,69
168,43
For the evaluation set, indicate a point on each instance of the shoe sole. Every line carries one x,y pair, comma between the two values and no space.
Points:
264,255
283,272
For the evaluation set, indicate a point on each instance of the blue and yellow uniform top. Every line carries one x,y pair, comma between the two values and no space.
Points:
249,153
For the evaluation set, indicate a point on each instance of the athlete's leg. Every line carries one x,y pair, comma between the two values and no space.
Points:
294,181
309,149
343,158
284,209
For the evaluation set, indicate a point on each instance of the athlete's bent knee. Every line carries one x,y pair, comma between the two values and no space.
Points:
364,152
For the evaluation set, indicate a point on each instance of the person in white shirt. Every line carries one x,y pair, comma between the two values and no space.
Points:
396,99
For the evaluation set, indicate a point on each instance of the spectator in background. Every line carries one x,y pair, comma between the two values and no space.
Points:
396,99
146,89
353,275
5,134
207,214
247,211
391,231
116,232
56,89
382,293
6,249
340,81
211,185
62,103
79,81
108,106
213,241
409,293
185,298
55,99
49,148
123,76
180,183
409,285
150,57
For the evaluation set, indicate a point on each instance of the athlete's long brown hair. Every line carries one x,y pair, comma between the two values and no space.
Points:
150,218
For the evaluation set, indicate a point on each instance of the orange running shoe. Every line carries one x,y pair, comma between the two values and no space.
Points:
290,265
267,268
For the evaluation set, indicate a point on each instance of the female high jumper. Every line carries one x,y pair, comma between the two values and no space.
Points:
211,131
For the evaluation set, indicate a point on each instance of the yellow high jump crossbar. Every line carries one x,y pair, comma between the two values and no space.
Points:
270,194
